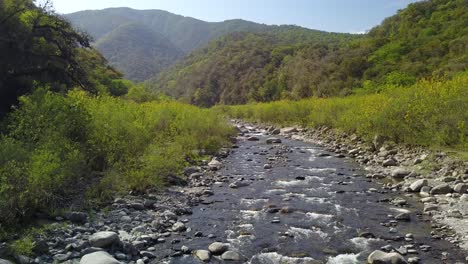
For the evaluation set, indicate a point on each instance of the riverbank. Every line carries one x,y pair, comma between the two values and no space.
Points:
264,202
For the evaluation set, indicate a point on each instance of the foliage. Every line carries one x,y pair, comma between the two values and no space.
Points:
138,51
23,246
430,113
38,47
143,43
53,143
428,38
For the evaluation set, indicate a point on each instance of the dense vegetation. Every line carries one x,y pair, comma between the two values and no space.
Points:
37,47
172,35
138,51
76,129
429,112
428,38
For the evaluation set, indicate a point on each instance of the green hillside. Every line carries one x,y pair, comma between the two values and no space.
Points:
184,33
425,39
138,51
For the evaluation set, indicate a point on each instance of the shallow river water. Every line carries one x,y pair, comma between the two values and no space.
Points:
310,207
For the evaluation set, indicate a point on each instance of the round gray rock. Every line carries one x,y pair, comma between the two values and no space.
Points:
441,189
217,248
203,255
230,256
417,185
4,261
380,257
103,239
100,257
400,173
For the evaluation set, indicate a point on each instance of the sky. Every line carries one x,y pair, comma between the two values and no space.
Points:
353,16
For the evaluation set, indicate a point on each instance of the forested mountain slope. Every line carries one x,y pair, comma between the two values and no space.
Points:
175,33
138,51
426,38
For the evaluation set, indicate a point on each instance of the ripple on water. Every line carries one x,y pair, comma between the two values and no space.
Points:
323,218
344,259
362,243
299,232
274,258
250,202
250,214
318,170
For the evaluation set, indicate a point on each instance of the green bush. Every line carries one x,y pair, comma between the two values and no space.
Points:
55,145
430,112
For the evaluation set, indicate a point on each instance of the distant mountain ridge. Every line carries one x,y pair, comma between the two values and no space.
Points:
173,35
427,39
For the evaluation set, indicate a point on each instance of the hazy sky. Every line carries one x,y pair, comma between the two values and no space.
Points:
329,15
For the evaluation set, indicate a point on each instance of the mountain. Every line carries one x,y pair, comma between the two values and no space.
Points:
428,38
173,36
138,51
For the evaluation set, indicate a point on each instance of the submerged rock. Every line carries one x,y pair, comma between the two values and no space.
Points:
230,256
273,140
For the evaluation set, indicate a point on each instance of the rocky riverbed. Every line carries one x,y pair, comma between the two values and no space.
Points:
281,196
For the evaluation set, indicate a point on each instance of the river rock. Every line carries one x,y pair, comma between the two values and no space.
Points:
4,261
203,255
217,248
214,164
267,166
460,188
417,185
276,131
289,130
399,173
378,141
238,184
100,257
77,217
403,217
380,257
389,162
273,140
179,227
191,170
253,138
441,189
103,239
230,256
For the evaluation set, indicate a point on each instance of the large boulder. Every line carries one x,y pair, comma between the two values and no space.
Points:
103,239
100,257
4,261
380,257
